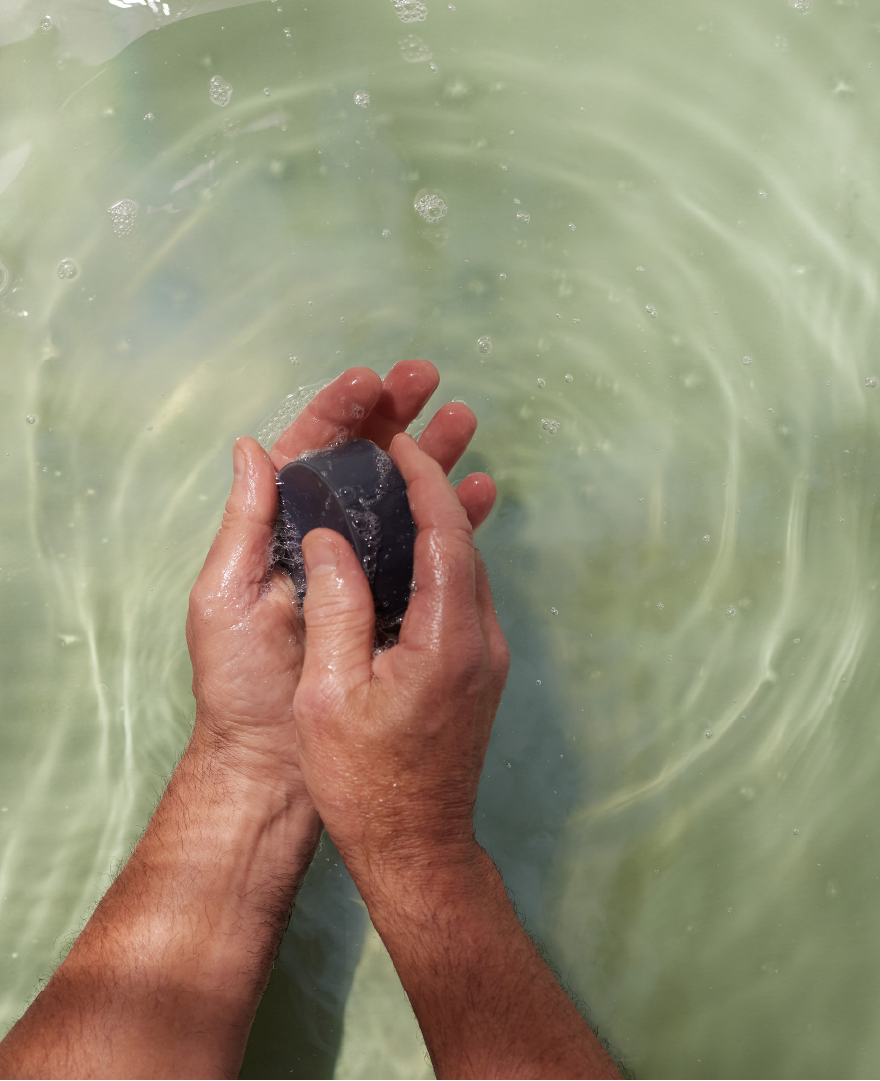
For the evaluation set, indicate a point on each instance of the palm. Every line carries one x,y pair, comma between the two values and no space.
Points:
245,635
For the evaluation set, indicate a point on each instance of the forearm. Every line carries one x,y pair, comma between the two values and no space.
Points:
487,1004
166,977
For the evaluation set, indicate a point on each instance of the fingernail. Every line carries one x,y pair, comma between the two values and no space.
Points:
239,462
320,555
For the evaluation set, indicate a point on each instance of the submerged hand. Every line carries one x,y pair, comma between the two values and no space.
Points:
244,634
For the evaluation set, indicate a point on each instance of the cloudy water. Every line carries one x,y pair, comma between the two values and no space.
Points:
640,241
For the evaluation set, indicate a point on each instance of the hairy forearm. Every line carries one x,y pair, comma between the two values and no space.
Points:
166,976
487,1004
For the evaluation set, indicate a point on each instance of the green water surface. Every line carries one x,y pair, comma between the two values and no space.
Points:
665,216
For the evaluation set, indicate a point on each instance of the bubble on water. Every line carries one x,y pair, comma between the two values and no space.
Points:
386,232
652,311
4,277
503,276
542,383
67,268
266,91
708,735
537,683
550,425
31,419
797,641
484,344
707,538
572,226
149,116
524,218
747,360
288,33
871,381
287,412
731,612
293,359
569,378
362,98
219,91
554,611
660,605
413,49
46,23
762,193
575,320
795,832
429,205
803,6
123,216
640,269
411,11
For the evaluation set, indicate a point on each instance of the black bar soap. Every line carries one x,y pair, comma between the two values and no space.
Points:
356,489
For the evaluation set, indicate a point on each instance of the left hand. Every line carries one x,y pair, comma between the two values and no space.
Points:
244,634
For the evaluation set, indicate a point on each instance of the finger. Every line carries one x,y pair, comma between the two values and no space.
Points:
339,614
334,414
443,558
239,557
499,651
447,435
477,493
405,390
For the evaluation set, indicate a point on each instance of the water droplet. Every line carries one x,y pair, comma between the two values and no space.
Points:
288,33
640,269
31,419
411,11
524,218
503,277
707,538
67,268
762,193
362,98
149,116
46,23
429,205
572,226
413,49
123,216
797,641
660,605
484,344
871,381
651,311
386,232
731,612
542,383
219,91
708,735
550,425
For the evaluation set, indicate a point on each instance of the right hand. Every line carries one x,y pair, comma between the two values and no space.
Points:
392,745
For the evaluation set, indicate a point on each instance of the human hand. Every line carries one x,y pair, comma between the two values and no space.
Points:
392,745
243,630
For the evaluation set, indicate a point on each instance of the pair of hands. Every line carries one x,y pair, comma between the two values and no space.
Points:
387,749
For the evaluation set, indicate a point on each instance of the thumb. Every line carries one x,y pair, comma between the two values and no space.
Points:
239,557
338,611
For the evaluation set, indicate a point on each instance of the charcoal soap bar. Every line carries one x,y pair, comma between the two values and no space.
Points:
354,488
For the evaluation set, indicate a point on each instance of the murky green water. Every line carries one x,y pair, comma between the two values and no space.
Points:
682,785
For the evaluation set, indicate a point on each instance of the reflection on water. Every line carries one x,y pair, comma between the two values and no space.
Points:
640,241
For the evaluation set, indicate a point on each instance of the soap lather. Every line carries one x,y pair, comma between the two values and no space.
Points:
356,490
